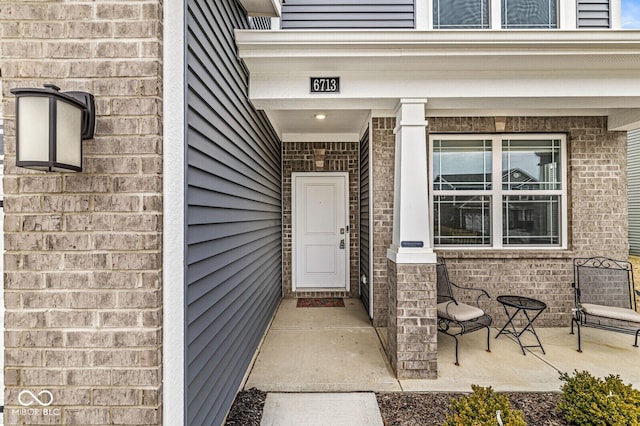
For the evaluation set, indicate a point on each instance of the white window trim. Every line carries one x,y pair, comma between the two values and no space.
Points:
497,192
423,14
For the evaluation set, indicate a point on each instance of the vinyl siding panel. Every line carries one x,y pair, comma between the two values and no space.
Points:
633,176
594,14
365,226
233,237
319,14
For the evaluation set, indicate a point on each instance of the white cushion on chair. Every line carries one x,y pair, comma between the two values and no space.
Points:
612,312
460,312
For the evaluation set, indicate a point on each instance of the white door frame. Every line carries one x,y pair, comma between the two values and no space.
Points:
347,271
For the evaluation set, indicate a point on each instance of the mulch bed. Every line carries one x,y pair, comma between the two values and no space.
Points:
247,408
412,409
320,302
427,409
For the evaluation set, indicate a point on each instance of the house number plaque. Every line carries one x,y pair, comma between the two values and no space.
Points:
325,84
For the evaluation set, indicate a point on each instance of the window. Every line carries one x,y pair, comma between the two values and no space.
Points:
499,190
529,14
455,14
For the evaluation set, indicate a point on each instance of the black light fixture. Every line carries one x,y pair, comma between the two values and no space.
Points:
50,127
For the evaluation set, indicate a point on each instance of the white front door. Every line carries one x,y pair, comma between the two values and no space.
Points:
320,232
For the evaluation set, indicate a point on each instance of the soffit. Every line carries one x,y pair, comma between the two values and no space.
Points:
262,7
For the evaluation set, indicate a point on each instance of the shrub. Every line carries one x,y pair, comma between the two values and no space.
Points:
587,400
481,407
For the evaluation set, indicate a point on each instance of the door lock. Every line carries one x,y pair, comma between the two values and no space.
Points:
342,244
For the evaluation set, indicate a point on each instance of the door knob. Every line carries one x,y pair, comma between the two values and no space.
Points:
342,244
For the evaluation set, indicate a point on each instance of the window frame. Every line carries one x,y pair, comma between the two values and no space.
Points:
565,17
496,192
436,25
506,26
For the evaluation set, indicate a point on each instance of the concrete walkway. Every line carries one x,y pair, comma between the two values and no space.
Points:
322,350
321,409
329,350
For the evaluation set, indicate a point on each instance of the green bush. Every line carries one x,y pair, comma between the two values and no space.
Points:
480,409
587,400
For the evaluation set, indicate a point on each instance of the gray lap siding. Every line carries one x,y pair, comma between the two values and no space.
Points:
233,236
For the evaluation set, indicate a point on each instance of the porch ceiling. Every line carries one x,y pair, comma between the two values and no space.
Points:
299,124
459,72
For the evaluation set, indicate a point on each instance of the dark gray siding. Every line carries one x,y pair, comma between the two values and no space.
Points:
364,231
633,173
593,14
233,282
321,14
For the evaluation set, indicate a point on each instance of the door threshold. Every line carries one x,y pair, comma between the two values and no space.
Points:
319,292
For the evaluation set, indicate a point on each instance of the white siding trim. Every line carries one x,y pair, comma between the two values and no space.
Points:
568,15
173,149
423,14
615,14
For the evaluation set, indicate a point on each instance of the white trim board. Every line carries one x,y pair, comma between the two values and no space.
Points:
173,231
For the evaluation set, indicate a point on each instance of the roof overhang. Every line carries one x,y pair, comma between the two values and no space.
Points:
270,8
469,73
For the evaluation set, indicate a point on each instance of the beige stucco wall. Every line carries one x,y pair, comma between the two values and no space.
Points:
597,215
83,260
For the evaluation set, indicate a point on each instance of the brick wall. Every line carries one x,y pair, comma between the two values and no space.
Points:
412,323
382,166
318,157
597,213
83,260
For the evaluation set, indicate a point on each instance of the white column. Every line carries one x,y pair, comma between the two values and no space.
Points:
411,223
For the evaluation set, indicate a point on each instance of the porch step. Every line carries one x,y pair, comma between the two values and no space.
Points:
295,409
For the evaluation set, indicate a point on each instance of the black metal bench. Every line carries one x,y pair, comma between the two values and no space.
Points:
454,317
604,296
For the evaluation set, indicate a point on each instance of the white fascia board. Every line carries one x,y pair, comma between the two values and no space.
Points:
368,90
275,52
507,72
576,62
311,42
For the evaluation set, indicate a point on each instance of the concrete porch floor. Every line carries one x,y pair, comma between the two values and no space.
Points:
337,350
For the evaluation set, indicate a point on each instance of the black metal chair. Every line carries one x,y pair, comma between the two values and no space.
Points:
605,296
454,317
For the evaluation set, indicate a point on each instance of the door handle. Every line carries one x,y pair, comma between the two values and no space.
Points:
342,244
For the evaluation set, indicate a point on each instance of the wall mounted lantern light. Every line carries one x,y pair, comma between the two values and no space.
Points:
50,128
